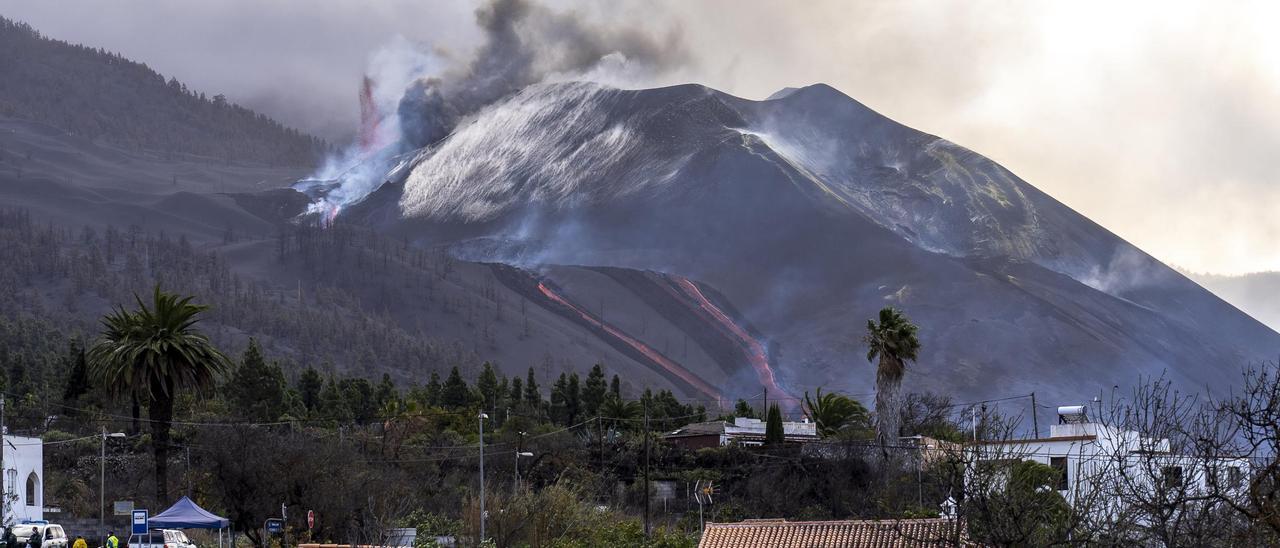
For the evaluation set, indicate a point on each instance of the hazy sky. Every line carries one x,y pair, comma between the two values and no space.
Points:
1159,120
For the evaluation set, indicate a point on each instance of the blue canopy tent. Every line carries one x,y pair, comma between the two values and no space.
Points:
186,514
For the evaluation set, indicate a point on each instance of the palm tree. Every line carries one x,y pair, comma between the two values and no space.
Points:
833,412
893,340
614,407
151,353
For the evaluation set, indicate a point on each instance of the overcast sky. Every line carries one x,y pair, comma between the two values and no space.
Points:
1160,121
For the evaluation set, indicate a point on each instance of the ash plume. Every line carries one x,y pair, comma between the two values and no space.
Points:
524,44
425,91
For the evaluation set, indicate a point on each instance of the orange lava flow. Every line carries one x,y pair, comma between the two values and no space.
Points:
672,367
755,351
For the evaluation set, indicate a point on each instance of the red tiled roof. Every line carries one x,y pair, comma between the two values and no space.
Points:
833,534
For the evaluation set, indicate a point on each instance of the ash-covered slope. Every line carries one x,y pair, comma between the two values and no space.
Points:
808,212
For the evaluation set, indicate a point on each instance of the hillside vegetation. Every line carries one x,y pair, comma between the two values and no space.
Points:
98,94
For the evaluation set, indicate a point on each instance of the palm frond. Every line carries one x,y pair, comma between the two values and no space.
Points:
155,350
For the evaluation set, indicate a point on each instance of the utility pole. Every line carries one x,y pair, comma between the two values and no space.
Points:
102,483
1035,421
481,419
646,468
519,455
519,451
973,412
4,477
284,525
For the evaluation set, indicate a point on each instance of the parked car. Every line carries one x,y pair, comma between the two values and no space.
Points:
51,534
163,538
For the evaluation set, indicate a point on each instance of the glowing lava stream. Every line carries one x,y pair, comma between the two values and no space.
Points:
754,350
657,357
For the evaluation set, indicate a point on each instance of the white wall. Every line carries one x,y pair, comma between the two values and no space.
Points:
23,457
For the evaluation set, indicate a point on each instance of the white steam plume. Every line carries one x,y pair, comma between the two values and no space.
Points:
422,93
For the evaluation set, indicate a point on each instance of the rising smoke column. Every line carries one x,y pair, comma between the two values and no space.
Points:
524,43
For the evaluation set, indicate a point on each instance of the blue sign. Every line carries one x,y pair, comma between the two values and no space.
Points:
275,526
140,525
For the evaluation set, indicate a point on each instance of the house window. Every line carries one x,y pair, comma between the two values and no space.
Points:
1172,477
33,490
1235,477
1060,464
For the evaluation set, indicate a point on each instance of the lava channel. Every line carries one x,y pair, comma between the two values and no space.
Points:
657,357
751,348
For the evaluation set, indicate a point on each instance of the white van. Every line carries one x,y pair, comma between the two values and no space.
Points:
162,538
52,535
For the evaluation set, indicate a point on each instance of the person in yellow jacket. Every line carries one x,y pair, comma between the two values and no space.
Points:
112,541
80,543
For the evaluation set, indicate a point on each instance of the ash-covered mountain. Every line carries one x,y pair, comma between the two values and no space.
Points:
802,215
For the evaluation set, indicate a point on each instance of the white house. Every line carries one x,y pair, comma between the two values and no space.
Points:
742,431
23,479
1093,457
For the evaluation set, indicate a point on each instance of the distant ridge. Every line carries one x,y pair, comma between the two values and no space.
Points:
97,94
782,93
1257,293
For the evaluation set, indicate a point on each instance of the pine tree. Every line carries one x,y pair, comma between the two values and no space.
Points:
310,383
594,392
573,400
455,394
773,433
559,400
615,387
332,406
532,397
487,386
433,390
386,392
256,389
516,393
358,394
78,379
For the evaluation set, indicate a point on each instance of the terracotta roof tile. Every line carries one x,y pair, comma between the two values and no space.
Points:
831,534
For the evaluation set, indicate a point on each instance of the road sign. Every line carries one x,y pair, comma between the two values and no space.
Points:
703,491
275,526
140,523
123,508
311,519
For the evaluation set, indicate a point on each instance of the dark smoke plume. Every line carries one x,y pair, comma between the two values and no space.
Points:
524,44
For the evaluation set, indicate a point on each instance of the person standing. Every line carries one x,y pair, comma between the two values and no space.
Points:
80,543
112,541
36,538
10,539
